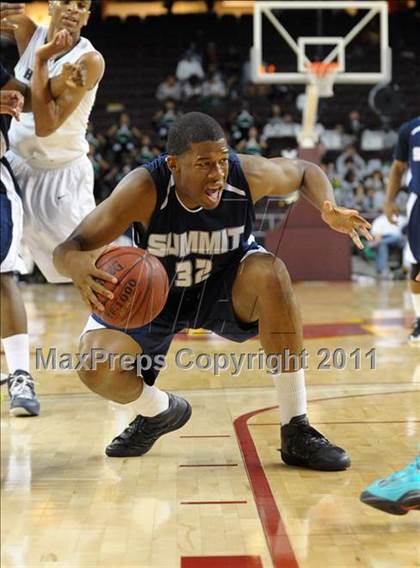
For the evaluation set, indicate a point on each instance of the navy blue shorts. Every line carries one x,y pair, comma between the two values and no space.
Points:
414,230
208,307
6,226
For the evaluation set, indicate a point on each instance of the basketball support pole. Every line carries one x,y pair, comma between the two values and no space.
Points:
307,137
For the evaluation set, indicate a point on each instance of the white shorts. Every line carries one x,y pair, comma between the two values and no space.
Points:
54,203
11,222
408,254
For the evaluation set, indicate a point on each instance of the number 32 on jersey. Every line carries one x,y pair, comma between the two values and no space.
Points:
191,272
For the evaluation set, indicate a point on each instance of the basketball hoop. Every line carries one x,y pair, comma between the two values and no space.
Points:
322,75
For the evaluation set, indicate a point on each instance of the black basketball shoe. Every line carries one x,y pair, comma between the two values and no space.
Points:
304,446
140,435
414,336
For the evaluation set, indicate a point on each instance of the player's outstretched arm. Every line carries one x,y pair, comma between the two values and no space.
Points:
50,112
134,199
280,176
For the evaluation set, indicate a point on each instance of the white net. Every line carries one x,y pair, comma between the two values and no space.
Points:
322,75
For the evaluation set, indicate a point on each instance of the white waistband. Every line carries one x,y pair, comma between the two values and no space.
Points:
47,166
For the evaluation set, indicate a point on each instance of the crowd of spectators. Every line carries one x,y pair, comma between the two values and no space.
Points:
359,181
200,82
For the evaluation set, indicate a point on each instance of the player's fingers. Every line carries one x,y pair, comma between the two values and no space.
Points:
98,287
94,300
365,233
356,239
84,297
359,220
102,275
7,26
9,9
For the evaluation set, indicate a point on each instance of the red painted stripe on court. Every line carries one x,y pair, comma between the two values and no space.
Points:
221,562
208,465
213,502
215,436
281,550
345,422
278,542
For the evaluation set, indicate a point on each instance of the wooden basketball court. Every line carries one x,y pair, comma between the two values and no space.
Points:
215,494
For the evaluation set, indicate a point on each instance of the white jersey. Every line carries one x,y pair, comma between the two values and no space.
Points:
68,142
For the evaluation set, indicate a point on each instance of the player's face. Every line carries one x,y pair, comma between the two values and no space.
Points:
201,173
70,15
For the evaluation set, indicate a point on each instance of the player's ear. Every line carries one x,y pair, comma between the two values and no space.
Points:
173,163
85,19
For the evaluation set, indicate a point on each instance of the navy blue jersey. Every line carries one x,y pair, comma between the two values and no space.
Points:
4,120
408,150
192,245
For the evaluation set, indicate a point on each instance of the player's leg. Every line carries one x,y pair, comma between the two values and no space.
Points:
262,291
14,331
415,296
118,378
413,212
55,202
398,493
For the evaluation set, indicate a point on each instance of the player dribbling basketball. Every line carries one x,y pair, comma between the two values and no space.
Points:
193,209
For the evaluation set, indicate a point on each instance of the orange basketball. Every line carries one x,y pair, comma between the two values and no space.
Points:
141,291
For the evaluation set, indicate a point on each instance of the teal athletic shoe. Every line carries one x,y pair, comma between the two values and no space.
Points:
398,493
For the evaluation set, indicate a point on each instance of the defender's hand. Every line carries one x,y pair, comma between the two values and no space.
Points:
74,74
62,41
11,102
81,266
8,10
347,221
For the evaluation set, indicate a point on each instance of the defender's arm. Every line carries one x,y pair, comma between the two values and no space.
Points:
50,113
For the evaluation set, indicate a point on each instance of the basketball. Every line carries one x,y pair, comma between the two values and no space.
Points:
141,291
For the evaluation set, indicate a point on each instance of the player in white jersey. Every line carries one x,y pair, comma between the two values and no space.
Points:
48,147
16,98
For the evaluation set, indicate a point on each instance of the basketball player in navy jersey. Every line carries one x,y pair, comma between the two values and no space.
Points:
407,157
399,493
193,209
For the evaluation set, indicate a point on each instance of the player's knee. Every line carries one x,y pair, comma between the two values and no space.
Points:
272,277
93,373
107,382
103,371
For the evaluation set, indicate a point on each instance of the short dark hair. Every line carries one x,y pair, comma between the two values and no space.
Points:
192,127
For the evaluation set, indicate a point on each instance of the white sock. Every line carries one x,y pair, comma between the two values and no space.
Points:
291,394
16,349
151,402
416,304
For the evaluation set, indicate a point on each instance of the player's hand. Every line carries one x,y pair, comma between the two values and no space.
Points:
62,41
81,266
8,10
391,211
11,102
74,74
348,221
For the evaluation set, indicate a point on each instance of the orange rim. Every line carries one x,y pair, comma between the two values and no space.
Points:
321,69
